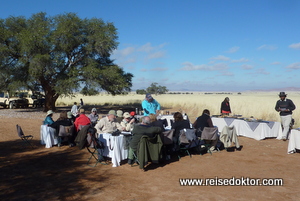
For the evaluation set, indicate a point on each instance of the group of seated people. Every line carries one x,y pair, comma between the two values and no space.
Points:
107,124
148,125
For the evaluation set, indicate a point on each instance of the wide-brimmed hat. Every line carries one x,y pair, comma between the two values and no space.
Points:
94,110
112,112
126,115
49,112
282,94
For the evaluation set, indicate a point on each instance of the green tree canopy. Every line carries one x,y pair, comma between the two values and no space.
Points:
154,88
60,55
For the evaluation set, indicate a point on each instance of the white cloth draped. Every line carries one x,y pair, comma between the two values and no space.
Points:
47,136
262,130
114,148
294,141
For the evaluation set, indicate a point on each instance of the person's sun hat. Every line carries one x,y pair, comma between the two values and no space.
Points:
126,115
112,112
281,94
94,110
149,96
119,113
49,112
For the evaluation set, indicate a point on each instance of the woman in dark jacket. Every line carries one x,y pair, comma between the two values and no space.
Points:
225,107
179,124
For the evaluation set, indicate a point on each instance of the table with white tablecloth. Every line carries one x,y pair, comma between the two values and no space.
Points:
294,141
115,147
47,136
255,130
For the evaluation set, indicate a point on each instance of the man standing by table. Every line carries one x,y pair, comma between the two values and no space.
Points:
150,105
285,107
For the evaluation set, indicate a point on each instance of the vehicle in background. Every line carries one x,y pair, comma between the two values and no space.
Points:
21,100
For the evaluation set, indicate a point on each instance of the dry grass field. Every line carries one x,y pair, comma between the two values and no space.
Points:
260,105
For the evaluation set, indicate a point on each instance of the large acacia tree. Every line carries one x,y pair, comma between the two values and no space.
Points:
60,55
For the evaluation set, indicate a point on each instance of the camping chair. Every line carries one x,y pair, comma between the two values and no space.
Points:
229,136
209,138
25,138
95,147
149,149
187,140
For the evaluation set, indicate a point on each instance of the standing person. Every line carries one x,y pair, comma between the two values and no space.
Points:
150,105
74,109
225,107
285,107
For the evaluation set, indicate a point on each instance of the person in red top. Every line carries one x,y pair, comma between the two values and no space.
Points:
81,120
225,107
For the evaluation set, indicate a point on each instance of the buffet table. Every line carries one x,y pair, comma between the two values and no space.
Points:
251,129
115,147
294,141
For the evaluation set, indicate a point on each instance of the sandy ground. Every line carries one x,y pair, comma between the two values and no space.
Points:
62,173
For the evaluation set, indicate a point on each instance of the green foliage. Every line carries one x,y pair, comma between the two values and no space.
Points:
154,88
141,91
60,55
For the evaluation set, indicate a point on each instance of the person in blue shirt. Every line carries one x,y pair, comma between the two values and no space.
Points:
150,105
48,120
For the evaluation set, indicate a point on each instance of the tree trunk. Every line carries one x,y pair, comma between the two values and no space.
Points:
50,100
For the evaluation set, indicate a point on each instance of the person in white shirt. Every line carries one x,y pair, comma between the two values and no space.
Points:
74,110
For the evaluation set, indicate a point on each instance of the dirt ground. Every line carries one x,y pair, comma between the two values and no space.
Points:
61,173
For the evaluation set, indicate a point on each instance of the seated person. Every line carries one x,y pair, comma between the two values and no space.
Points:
204,121
48,120
108,124
179,124
119,116
62,121
127,122
71,117
155,122
138,131
81,120
93,116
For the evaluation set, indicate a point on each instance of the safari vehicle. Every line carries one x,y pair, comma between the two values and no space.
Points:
14,100
21,100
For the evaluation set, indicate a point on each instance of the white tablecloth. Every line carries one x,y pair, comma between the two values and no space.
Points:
114,148
260,130
47,136
294,141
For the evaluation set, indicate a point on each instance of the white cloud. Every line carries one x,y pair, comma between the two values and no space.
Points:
159,69
261,71
267,47
155,55
275,63
227,73
293,66
220,58
246,67
146,48
295,46
188,66
233,49
240,60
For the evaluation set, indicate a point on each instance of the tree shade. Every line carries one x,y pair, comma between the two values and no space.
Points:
60,55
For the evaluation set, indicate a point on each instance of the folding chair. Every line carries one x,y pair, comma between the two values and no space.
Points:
95,147
25,138
187,140
209,137
229,136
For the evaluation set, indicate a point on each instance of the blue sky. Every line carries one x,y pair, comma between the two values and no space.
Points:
196,45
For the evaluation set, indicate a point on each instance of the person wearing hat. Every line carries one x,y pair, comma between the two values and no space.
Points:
48,120
119,116
127,121
150,105
285,107
225,107
109,123
93,116
81,120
